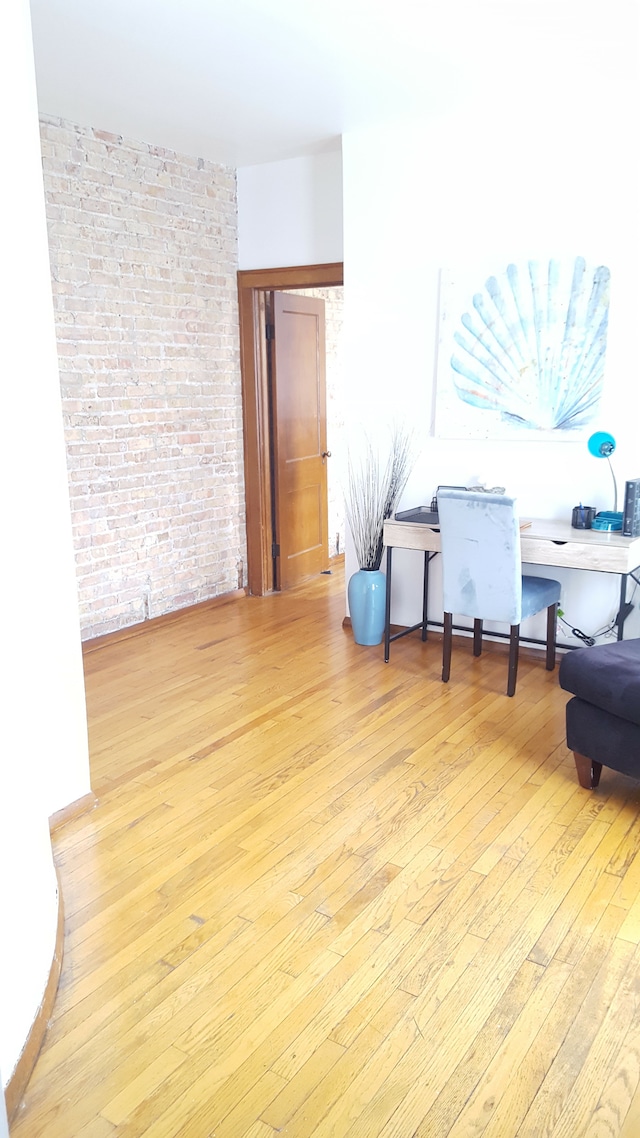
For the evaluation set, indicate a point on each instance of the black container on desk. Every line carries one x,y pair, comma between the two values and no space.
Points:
582,517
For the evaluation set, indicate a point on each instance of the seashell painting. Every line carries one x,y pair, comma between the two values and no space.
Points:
525,354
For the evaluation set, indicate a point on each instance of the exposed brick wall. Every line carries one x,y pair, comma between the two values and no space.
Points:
143,252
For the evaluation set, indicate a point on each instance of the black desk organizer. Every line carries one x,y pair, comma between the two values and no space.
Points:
426,514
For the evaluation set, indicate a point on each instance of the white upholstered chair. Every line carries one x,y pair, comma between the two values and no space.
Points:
482,574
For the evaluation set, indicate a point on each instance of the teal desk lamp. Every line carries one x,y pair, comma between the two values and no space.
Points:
602,445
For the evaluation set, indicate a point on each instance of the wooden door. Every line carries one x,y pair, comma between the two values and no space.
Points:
299,438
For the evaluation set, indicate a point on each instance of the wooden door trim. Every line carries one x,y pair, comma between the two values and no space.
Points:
252,284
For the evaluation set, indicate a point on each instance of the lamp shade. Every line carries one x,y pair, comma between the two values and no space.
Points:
602,444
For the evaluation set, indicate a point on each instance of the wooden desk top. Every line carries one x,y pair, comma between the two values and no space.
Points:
543,542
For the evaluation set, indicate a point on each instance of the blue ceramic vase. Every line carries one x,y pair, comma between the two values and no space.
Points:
367,593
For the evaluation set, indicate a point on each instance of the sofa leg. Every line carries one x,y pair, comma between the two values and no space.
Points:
588,771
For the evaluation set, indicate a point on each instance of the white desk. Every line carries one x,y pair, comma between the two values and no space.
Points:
542,543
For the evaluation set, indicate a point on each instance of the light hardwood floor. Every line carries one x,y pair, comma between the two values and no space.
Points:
324,896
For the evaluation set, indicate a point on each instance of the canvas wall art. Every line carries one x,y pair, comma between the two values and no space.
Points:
521,352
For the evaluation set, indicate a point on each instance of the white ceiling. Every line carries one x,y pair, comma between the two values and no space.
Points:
249,81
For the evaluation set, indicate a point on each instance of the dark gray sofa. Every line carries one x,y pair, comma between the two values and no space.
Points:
603,718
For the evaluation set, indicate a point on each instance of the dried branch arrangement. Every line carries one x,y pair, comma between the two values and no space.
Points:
374,486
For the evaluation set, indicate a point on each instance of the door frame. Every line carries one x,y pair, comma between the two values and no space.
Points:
253,284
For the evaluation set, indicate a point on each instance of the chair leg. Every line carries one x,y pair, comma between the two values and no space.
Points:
588,771
514,643
552,620
446,646
477,637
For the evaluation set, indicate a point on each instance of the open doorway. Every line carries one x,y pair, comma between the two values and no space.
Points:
254,288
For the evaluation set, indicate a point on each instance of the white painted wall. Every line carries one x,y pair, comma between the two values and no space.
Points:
4,1125
540,169
43,725
290,213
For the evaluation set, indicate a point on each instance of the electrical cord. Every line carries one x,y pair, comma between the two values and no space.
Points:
578,633
606,630
621,613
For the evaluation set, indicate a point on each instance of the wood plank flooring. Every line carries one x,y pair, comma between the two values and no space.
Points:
324,896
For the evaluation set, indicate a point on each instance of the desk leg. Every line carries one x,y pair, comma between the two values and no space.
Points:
623,601
425,595
387,607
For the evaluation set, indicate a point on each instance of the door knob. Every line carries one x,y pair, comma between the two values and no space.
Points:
326,454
